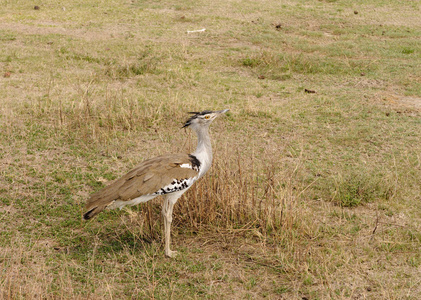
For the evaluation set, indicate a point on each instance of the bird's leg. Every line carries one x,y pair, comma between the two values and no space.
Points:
167,208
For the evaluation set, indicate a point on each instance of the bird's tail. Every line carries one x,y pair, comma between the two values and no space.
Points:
95,207
100,201
93,212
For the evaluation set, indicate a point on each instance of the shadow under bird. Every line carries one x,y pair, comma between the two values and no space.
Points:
170,175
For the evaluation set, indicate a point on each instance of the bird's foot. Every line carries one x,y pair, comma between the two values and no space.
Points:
171,254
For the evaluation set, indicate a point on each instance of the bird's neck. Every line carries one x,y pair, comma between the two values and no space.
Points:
204,149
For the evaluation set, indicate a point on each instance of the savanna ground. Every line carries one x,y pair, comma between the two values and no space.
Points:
315,188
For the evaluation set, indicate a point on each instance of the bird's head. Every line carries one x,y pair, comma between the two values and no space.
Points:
203,119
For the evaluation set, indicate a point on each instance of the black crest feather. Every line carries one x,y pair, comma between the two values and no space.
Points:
195,115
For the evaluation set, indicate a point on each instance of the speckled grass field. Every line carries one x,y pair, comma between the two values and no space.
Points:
314,192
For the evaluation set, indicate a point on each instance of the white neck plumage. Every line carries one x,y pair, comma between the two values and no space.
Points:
204,149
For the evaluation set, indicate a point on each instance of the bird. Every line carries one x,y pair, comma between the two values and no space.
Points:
169,175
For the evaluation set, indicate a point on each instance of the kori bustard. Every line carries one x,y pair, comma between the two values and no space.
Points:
169,175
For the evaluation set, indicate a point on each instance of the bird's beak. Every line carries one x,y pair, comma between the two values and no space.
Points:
220,112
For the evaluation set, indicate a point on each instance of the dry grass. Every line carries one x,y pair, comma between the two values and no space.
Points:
310,196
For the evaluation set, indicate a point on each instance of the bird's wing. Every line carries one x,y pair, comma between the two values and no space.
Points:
148,178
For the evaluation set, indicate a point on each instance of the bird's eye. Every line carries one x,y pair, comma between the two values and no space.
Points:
207,117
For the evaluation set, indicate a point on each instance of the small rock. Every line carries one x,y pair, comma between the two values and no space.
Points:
355,12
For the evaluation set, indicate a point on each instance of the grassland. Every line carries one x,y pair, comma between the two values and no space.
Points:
315,188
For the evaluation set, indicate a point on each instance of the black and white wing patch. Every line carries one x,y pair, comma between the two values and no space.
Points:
176,185
184,183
